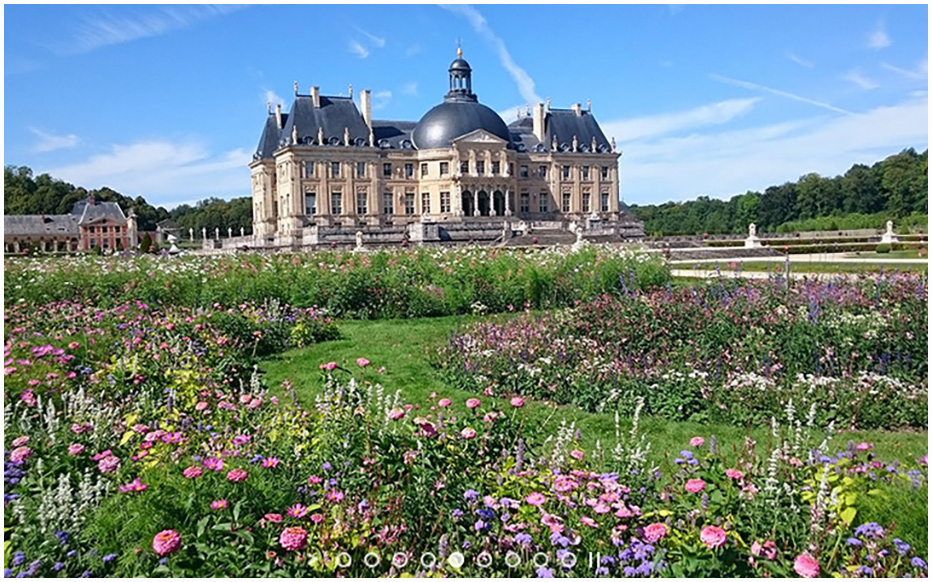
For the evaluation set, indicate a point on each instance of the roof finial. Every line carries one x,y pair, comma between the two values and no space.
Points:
295,87
589,104
548,103
268,106
459,49
350,89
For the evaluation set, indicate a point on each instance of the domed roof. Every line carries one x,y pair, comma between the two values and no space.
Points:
451,119
460,64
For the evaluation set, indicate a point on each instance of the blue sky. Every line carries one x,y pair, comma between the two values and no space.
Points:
168,101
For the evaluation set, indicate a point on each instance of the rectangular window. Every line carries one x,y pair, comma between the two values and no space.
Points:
409,202
425,202
388,204
522,172
604,201
424,169
93,242
585,172
566,172
409,170
542,172
544,204
310,203
585,201
464,167
116,229
480,167
106,242
496,168
336,203
335,169
386,170
360,169
308,169
444,202
511,169
525,203
91,230
605,172
444,168
566,201
362,203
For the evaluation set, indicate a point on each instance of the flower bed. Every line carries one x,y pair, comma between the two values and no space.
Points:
383,284
239,484
853,352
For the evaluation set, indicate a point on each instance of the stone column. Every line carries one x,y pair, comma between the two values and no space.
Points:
475,202
204,233
507,202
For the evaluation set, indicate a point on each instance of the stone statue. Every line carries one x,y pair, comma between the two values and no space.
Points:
889,227
752,242
242,231
358,240
174,250
553,143
229,232
888,237
346,137
371,138
575,144
752,230
294,134
204,233
216,233
191,234
320,136
613,144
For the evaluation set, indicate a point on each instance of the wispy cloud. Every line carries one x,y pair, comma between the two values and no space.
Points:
799,60
762,88
409,89
666,123
49,142
675,9
921,71
879,39
162,171
521,78
108,27
860,80
14,65
413,50
272,97
357,49
721,164
376,41
380,99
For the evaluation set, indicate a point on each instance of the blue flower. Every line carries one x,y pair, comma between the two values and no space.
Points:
854,542
327,466
58,566
901,546
543,572
471,495
523,539
601,571
917,562
630,572
866,570
62,536
19,558
109,557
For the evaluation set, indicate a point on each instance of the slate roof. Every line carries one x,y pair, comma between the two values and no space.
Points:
38,225
564,124
333,115
268,142
393,134
101,210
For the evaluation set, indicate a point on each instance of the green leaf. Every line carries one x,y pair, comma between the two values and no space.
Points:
226,526
848,515
202,525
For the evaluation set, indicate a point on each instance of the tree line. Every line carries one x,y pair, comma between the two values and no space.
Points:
895,188
24,193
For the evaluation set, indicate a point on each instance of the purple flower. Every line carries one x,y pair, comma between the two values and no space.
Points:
543,572
917,562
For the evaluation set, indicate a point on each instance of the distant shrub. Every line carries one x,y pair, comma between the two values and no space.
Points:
883,248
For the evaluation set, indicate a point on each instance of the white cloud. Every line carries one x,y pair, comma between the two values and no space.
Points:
108,28
358,50
380,99
756,87
921,71
163,172
726,163
878,39
409,89
376,40
272,97
413,50
524,81
799,60
508,114
666,123
860,80
49,142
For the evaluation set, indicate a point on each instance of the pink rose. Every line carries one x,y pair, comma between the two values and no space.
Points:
713,536
237,475
108,464
166,542
468,433
517,401
806,566
696,442
75,449
473,403
329,366
193,472
362,362
444,402
768,549
655,532
20,454
695,485
20,441
293,538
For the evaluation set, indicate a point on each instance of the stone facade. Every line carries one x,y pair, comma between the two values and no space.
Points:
90,224
326,169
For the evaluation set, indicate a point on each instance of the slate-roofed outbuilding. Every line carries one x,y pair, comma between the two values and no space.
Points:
100,211
38,225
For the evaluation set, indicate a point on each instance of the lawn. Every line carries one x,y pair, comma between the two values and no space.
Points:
819,267
403,348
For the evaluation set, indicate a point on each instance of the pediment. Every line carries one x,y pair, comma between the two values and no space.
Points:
479,136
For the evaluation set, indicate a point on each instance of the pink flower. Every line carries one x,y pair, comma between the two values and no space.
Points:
806,566
74,345
473,403
274,517
20,441
293,538
861,447
166,542
396,413
734,474
109,464
535,498
564,483
20,454
193,472
329,366
362,362
297,510
218,504
271,462
201,406
75,449
713,536
317,518
213,463
768,549
586,520
468,433
655,532
695,485
135,485
237,475
577,454
517,401
696,442
444,402
334,496
314,480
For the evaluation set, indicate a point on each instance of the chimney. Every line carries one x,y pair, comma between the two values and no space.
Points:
315,96
365,103
278,115
577,108
539,123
